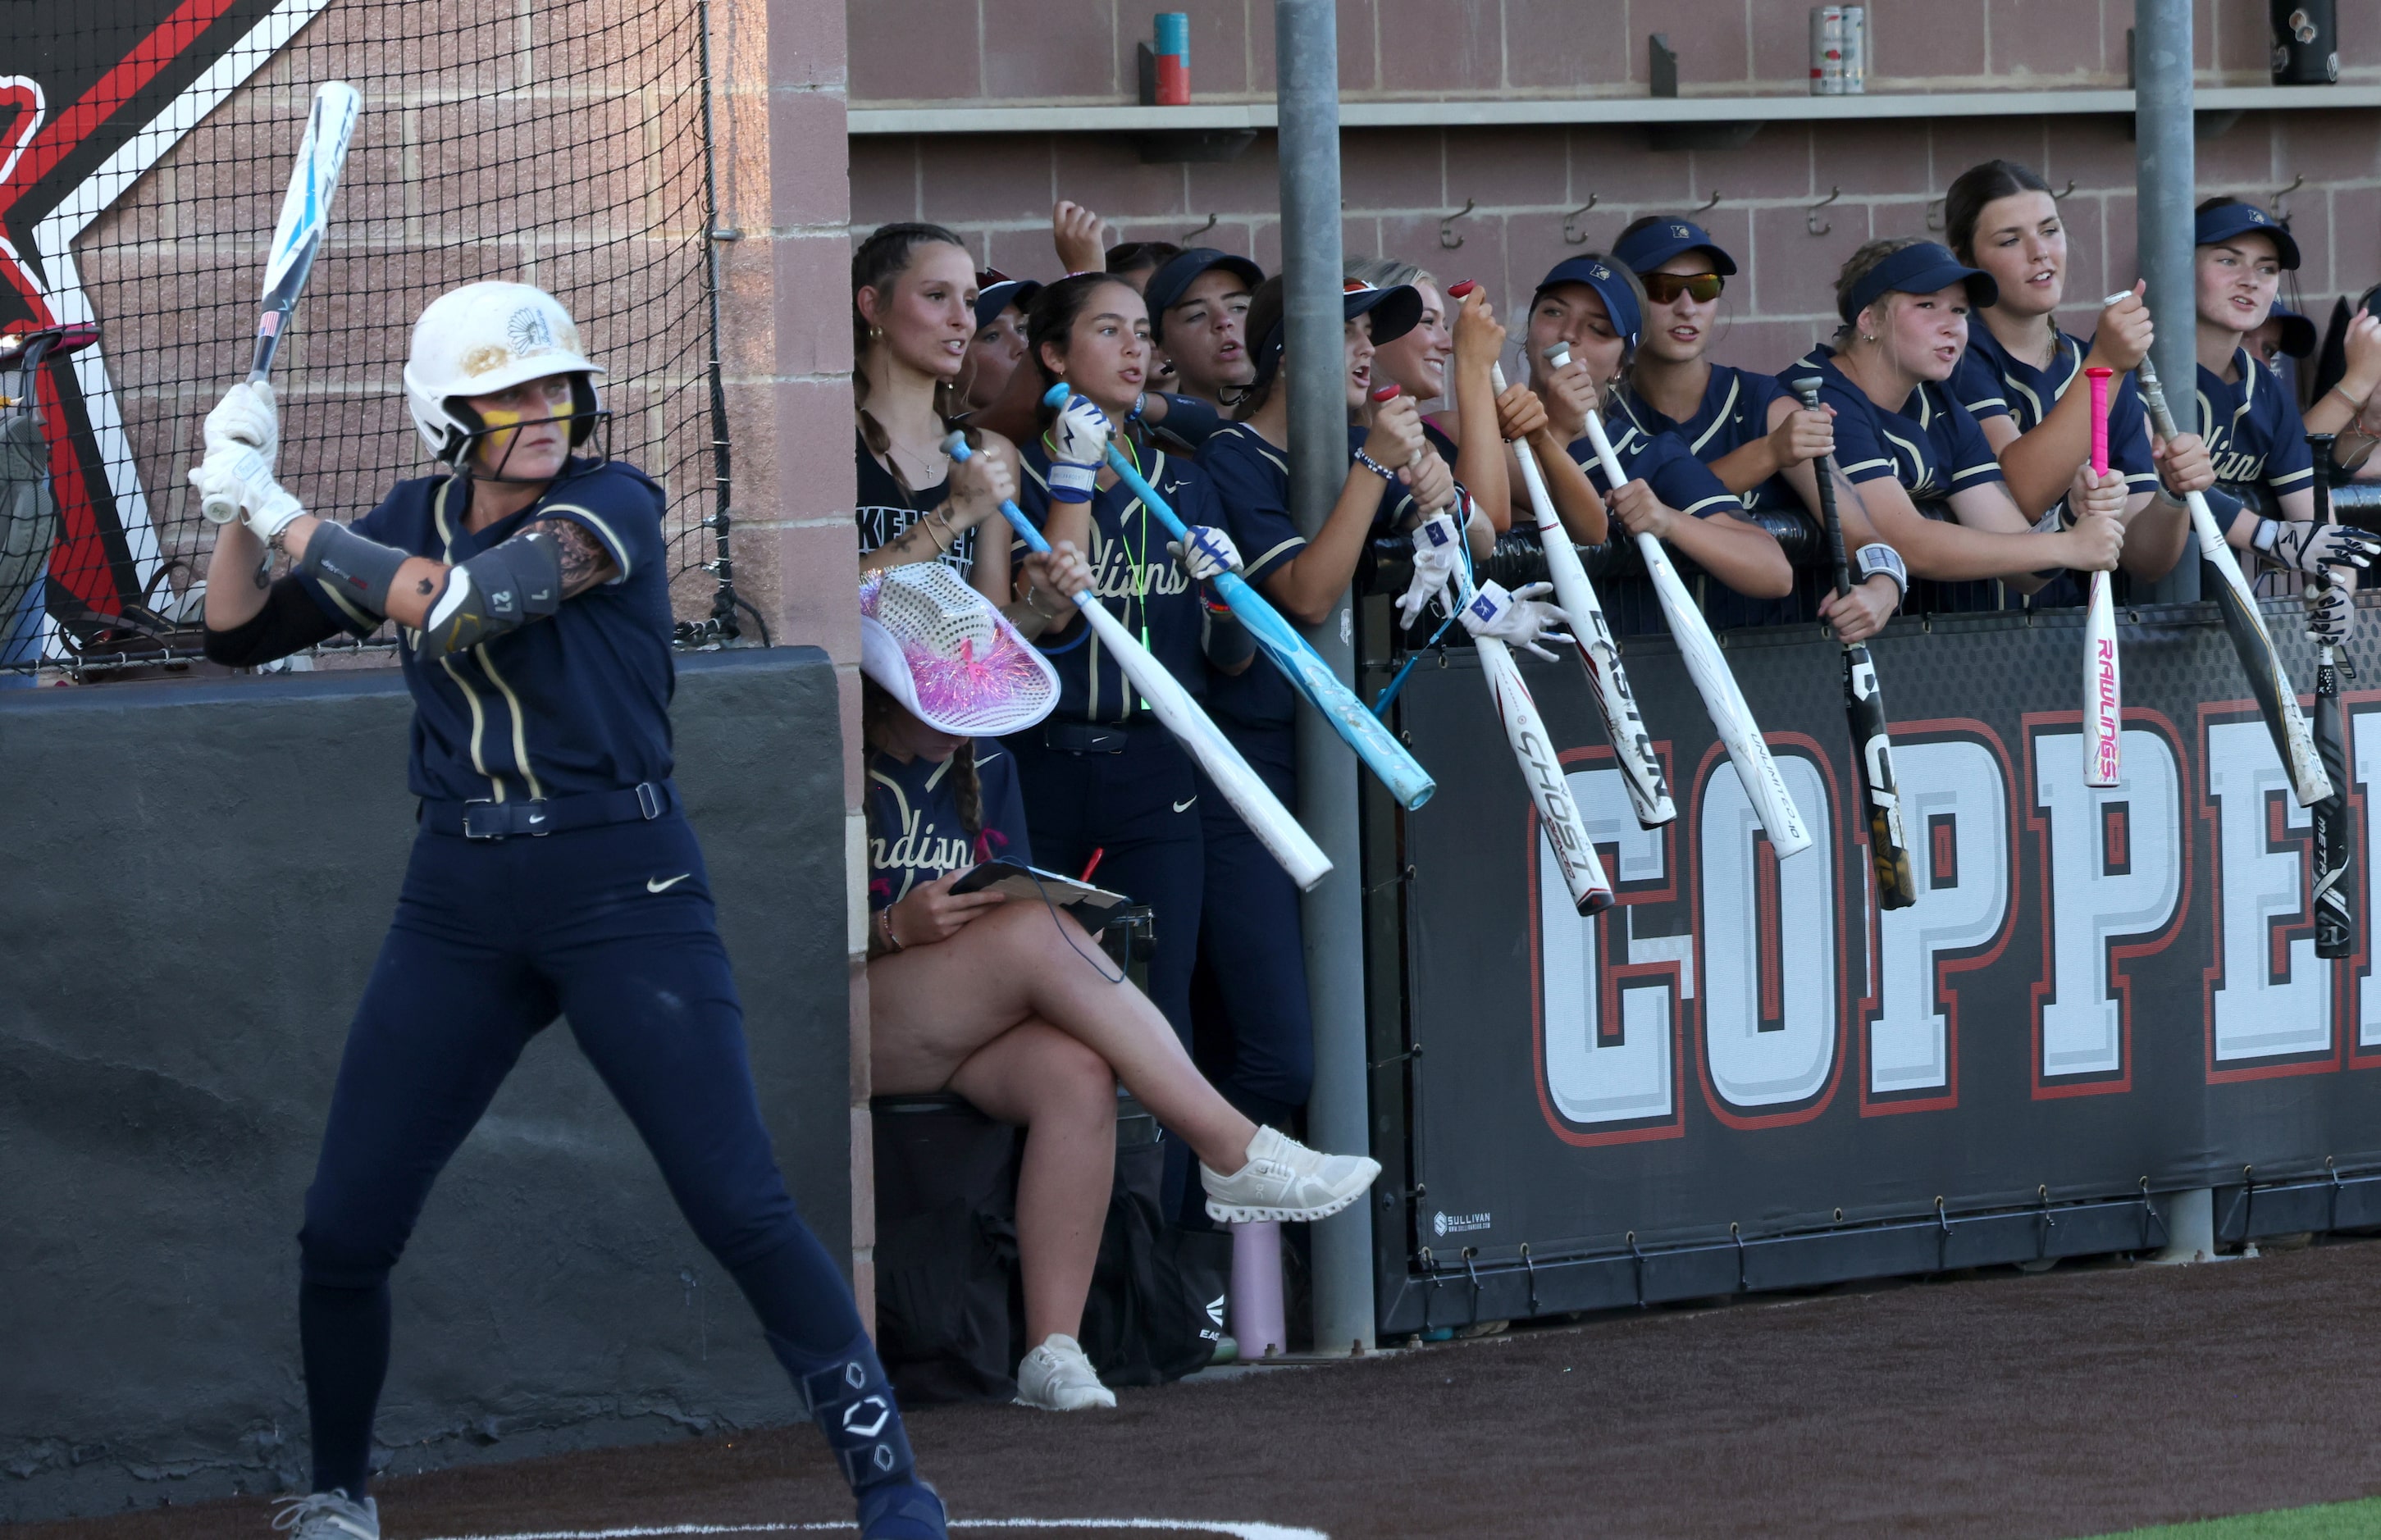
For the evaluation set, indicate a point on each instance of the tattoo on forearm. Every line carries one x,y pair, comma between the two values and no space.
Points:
585,563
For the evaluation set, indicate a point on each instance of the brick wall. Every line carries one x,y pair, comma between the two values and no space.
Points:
1399,184
947,50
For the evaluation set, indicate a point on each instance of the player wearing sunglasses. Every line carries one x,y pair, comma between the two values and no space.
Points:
1742,424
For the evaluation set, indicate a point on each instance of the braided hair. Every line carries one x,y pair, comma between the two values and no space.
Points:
877,263
877,708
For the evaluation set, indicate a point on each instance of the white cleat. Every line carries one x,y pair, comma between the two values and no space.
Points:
1285,1180
328,1515
1056,1376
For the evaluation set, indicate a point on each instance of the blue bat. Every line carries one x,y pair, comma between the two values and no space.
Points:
1258,807
1373,743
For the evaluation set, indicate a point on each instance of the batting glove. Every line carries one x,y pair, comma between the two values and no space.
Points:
1439,546
1208,552
246,418
1520,618
2331,614
1079,447
2308,548
239,476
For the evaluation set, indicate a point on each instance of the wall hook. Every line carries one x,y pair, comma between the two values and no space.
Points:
2065,191
1447,239
1572,236
1190,235
2296,182
1934,214
1811,220
1708,204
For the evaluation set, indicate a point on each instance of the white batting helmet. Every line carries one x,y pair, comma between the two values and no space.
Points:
485,337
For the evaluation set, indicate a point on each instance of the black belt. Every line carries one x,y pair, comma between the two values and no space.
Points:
1070,737
538,816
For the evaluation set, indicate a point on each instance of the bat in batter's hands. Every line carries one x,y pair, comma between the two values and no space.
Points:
297,241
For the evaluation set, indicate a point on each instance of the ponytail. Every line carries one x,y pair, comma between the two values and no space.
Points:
967,791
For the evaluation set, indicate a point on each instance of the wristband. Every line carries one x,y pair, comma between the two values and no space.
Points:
359,571
1070,482
2263,537
1139,402
1869,561
2058,520
1375,467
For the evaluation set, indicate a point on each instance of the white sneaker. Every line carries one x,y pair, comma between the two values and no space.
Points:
328,1515
1286,1181
1056,1376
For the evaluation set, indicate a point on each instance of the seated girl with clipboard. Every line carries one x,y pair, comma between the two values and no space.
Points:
1007,1001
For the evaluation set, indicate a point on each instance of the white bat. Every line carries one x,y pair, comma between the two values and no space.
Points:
2103,706
1533,751
1632,747
1725,702
1271,824
298,234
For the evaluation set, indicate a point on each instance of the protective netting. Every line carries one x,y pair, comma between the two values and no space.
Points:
558,142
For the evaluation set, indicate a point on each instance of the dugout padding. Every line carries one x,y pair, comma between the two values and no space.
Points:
193,881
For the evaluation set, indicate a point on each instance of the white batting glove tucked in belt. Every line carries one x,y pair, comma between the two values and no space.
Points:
1520,618
1209,551
247,417
1438,546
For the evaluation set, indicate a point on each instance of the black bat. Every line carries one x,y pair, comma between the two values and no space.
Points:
2334,916
1864,708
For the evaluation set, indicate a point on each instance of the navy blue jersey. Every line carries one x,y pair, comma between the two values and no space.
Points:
915,833
1249,480
1733,413
885,511
575,704
2254,430
1992,382
1137,578
1664,462
1932,447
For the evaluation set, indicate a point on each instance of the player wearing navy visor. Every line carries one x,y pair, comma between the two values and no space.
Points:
1743,424
1910,459
2018,376
998,346
532,591
2252,425
1586,322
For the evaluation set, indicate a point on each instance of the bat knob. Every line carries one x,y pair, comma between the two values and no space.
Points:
1461,290
1056,398
2100,372
1558,355
1387,393
955,445
1808,387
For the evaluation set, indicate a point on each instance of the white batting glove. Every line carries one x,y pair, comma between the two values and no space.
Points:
1210,551
2296,546
1079,447
1521,619
2330,613
247,417
239,476
1439,546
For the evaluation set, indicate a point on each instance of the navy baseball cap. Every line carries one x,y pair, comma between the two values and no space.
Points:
995,292
1648,248
1395,311
1168,285
1922,268
2297,331
2220,223
1620,299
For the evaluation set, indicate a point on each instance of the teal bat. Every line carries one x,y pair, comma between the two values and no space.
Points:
1279,641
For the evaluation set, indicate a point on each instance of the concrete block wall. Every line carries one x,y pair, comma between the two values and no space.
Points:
951,51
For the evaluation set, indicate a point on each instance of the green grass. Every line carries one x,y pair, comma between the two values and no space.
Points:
2356,1521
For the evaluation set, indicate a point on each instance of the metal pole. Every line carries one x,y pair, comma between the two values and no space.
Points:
2166,167
1306,44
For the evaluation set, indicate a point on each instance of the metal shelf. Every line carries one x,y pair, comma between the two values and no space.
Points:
1507,112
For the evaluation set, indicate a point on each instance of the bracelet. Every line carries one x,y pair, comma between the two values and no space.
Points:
884,931
1139,402
2353,404
1033,589
1375,467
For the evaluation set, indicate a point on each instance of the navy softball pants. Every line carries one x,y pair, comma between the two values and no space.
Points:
1256,1032
612,927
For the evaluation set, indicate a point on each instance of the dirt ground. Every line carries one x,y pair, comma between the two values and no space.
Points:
2087,1400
